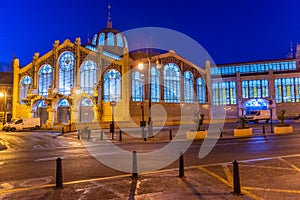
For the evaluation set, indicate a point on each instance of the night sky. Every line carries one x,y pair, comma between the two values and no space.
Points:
230,30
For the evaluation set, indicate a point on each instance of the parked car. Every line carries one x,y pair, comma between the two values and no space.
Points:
22,123
258,115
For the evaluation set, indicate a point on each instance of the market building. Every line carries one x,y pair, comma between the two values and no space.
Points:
75,83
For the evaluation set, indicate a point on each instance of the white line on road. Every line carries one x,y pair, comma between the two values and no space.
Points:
47,159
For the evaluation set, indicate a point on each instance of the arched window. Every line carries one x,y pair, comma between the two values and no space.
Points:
45,79
155,85
201,91
88,76
119,40
110,39
63,103
94,41
112,86
101,39
26,84
138,85
172,81
66,64
188,87
87,102
42,104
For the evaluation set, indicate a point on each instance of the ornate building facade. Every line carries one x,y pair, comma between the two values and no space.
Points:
75,83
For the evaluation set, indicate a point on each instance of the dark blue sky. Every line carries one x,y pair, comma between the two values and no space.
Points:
230,30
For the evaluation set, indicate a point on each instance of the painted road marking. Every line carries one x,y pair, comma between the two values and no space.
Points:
47,159
289,164
228,173
274,190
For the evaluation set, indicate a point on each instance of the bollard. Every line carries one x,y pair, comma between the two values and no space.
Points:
144,135
120,136
170,135
59,182
101,135
62,130
264,131
79,134
221,133
181,165
134,165
236,179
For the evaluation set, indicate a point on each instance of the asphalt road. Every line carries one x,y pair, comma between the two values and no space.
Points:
31,156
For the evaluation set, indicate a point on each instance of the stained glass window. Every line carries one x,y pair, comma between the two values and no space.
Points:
101,39
155,85
88,76
224,93
45,79
119,40
87,102
172,83
112,86
110,39
63,103
42,104
255,89
94,41
66,63
138,85
201,91
188,87
287,90
26,84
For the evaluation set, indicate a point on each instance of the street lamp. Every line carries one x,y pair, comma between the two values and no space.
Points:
141,67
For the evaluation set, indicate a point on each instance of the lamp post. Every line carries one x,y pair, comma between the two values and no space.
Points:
150,123
271,114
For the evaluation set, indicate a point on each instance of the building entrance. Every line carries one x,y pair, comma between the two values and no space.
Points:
255,104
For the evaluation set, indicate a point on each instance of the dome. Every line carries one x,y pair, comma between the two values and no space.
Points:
109,37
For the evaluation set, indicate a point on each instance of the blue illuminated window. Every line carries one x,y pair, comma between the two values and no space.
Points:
138,84
112,86
94,41
42,104
101,39
155,85
66,64
224,93
287,90
26,84
119,40
201,91
63,103
45,79
255,89
188,87
88,76
172,82
110,39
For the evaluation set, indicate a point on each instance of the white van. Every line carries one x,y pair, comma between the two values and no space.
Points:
22,123
258,115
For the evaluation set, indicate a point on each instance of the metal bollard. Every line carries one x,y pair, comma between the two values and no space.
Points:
120,136
181,165
101,135
134,165
236,179
170,135
59,182
144,135
221,133
264,131
62,130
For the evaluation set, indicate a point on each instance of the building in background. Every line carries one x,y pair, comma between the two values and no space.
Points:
6,91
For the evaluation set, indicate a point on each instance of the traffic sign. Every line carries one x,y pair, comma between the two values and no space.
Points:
113,103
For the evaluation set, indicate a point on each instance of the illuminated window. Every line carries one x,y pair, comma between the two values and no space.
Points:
110,39
119,40
224,93
42,104
155,85
172,81
94,41
255,89
101,39
45,79
26,84
87,102
188,87
112,86
63,103
88,76
66,63
138,84
287,90
201,91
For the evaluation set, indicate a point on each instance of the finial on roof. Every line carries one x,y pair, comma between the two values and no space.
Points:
88,38
109,21
291,54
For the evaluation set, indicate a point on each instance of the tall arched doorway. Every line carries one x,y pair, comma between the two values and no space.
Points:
41,111
86,110
63,111
255,104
